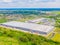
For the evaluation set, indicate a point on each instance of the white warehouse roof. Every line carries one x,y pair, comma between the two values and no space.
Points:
36,20
30,26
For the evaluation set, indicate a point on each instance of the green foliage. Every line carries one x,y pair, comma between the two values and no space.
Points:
25,38
3,20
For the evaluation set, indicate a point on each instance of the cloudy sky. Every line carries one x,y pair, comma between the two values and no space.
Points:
30,3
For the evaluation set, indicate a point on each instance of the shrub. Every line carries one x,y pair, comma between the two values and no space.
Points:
23,39
9,35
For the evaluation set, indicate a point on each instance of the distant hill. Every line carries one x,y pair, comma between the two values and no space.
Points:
26,11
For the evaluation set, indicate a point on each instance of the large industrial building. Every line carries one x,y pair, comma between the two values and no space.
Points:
45,21
30,27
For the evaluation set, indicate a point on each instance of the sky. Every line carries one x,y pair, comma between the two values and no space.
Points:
29,3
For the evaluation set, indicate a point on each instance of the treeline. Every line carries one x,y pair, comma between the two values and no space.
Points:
36,12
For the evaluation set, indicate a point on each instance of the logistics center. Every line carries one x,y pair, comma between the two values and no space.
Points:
30,27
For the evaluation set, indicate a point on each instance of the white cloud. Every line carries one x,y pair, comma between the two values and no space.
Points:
7,0
30,3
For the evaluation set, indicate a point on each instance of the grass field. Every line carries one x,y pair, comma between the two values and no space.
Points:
13,37
56,37
8,41
3,20
57,29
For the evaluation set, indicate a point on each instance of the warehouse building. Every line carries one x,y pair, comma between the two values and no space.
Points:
45,21
30,27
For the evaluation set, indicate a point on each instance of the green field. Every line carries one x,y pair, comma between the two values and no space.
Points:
8,41
3,20
12,37
56,37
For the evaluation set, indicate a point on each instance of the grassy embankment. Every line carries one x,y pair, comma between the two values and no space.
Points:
12,37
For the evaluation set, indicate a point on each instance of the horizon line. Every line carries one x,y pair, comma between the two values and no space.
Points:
43,9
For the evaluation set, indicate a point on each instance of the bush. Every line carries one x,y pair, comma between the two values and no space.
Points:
23,39
1,33
10,35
